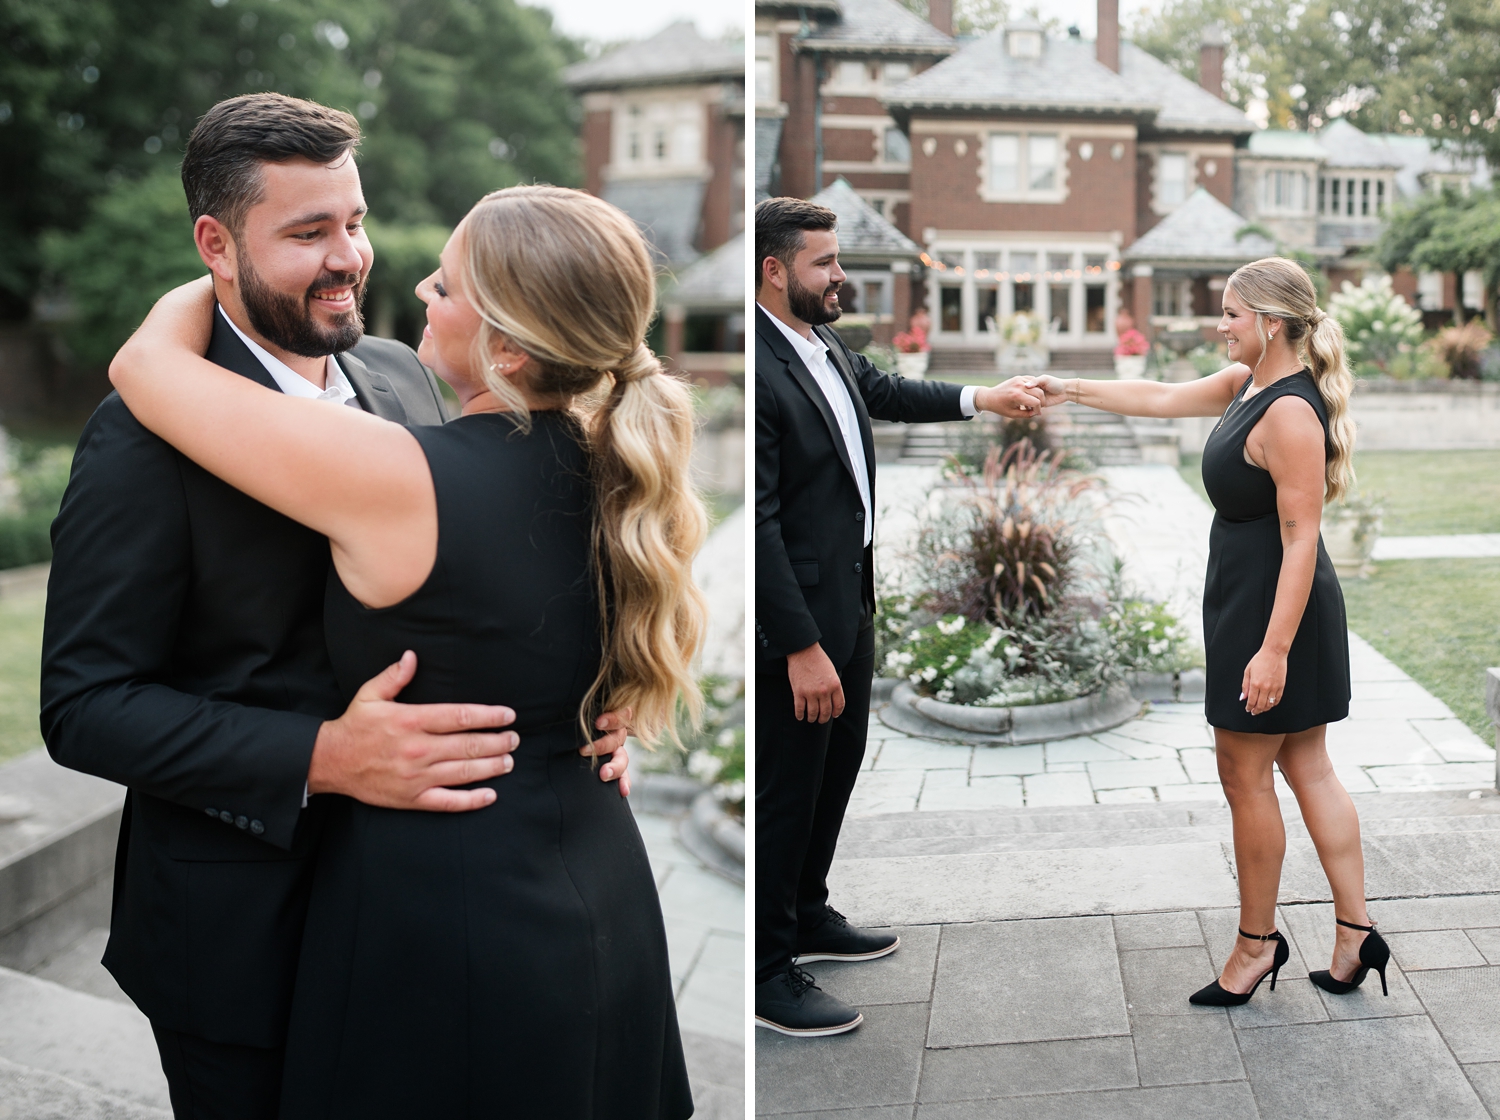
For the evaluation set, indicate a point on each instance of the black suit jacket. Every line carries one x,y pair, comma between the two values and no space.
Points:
813,575
183,657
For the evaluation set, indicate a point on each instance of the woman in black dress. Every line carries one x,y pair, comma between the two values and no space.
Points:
1273,614
510,961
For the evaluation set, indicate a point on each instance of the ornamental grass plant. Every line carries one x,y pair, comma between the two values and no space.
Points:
1011,599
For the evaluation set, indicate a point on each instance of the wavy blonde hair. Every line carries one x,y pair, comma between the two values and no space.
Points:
567,278
1280,288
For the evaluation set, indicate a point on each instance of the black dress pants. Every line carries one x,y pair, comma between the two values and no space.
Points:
217,1080
804,774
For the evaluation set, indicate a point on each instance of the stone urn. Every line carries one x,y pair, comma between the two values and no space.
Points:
1130,367
913,366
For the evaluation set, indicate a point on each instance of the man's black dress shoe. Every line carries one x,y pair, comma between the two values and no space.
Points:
791,1003
837,940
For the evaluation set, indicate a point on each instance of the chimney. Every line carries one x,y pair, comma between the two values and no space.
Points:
1107,46
1211,60
940,15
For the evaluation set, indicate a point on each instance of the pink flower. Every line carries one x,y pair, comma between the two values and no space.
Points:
913,341
1131,343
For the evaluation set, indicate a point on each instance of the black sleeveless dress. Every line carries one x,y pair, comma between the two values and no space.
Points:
508,962
1244,564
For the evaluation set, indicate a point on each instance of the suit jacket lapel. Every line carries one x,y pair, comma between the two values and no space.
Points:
225,348
373,389
804,378
841,363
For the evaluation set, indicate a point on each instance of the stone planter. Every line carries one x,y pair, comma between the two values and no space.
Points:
715,837
1351,559
913,366
1032,723
1130,367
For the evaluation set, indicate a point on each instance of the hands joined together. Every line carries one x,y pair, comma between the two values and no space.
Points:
1021,398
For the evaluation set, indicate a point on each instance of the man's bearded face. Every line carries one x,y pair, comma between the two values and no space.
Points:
287,320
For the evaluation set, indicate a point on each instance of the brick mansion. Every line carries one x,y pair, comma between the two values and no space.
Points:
1075,179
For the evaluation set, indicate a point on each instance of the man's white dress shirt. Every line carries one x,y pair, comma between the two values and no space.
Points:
819,363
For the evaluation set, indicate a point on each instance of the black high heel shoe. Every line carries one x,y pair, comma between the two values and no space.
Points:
1373,953
1216,996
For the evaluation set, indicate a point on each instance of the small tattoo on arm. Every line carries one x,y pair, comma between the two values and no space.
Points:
1291,524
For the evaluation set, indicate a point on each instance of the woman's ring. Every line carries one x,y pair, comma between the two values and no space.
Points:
1273,699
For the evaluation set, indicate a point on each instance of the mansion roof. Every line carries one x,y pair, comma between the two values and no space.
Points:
876,26
716,280
1067,77
863,234
677,54
1202,231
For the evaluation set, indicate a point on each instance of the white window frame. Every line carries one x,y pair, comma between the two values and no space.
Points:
1058,192
1294,179
1159,181
1075,278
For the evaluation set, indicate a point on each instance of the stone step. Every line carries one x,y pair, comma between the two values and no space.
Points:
1081,361
961,360
1003,864
63,1049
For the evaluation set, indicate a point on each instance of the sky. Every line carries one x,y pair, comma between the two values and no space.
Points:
613,21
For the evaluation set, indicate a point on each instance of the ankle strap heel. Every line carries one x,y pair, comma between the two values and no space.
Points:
1374,953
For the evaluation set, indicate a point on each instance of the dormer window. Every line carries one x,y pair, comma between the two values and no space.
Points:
1024,42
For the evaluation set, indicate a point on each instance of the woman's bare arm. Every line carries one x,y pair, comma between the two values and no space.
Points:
1208,396
361,481
1289,443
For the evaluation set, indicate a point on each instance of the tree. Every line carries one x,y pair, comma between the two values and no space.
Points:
1447,232
457,98
1307,61
136,243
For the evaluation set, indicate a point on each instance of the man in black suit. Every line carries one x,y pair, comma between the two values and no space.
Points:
815,598
183,654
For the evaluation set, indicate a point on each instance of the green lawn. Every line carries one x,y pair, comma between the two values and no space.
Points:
1433,492
20,668
1440,621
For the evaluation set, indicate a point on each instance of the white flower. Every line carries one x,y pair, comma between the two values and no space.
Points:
951,627
726,738
704,766
950,661
930,673
730,791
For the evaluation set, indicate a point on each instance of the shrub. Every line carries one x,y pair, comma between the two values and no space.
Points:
1379,325
1423,363
1461,347
881,357
714,752
26,533
1209,358
1489,364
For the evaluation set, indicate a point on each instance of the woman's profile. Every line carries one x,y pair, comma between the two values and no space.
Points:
1273,613
509,961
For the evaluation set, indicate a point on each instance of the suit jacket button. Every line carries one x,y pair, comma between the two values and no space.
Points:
213,812
257,828
226,816
859,515
242,822
859,567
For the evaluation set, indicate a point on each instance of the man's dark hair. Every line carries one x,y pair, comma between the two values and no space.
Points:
221,170
779,227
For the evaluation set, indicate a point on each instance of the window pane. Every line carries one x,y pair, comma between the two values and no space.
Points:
1322,195
851,75
1094,264
986,262
951,261
1093,309
950,316
897,72
897,146
1022,263
1024,297
989,307
763,79
1172,185
1380,196
1349,198
1058,297
1005,163
1041,161
685,143
874,297
1059,262
1364,197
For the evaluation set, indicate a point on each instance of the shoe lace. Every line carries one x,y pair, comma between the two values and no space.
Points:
834,917
800,981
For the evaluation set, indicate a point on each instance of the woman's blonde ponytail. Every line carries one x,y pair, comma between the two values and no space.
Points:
568,279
